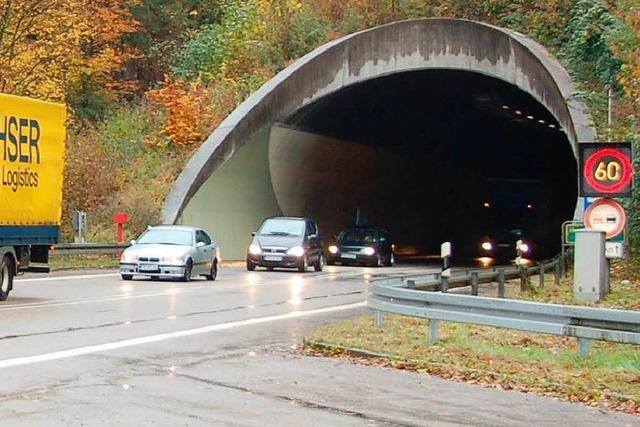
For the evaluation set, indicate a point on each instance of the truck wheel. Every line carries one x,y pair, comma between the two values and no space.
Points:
6,277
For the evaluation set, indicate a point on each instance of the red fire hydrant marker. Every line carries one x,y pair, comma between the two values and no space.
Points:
120,219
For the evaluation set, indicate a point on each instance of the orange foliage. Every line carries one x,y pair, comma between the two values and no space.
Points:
188,111
48,46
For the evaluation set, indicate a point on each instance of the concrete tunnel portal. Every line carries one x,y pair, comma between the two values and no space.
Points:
434,129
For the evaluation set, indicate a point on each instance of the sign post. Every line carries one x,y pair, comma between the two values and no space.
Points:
606,171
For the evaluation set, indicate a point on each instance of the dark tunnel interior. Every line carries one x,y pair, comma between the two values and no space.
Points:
462,157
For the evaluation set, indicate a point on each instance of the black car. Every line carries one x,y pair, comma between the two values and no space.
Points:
501,245
287,242
369,246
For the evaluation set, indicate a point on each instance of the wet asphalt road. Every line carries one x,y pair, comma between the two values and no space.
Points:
89,349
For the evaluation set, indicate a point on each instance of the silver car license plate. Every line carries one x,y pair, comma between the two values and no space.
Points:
148,267
348,256
272,258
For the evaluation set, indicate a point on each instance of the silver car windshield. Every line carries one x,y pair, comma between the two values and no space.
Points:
282,227
165,236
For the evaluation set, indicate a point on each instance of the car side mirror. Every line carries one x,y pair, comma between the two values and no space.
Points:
253,234
133,242
201,245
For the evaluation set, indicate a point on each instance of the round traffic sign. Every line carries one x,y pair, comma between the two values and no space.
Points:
608,171
606,215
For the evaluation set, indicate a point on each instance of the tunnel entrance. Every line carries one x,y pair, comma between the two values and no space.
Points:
431,156
436,129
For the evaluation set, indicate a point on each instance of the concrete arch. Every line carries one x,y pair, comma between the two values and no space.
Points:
424,44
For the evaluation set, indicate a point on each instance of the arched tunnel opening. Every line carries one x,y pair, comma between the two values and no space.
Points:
431,156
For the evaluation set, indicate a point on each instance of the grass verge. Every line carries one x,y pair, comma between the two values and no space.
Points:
499,358
83,262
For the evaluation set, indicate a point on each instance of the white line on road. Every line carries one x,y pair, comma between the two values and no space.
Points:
54,278
80,351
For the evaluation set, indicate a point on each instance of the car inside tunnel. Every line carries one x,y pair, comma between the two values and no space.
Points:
431,156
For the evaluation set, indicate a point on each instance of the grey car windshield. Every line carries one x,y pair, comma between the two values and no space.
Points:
167,237
282,227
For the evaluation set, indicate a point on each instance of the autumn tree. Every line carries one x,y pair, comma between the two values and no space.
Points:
50,49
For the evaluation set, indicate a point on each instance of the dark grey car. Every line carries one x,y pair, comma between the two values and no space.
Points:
286,242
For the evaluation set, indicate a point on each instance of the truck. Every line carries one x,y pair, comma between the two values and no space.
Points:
32,139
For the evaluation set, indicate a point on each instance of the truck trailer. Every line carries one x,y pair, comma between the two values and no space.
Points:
32,139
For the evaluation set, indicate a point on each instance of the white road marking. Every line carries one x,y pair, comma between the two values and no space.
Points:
80,351
54,278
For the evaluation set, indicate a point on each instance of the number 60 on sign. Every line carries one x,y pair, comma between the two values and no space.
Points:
606,170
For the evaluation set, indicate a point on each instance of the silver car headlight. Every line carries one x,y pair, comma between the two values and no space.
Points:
296,251
255,249
172,259
369,251
129,258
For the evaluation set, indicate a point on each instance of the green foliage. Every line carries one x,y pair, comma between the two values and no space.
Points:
204,55
592,31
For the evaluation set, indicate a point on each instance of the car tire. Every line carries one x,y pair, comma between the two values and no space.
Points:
391,261
304,266
319,264
6,277
214,271
127,276
155,277
250,266
188,268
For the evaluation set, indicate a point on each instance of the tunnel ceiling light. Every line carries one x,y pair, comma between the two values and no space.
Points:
530,117
518,112
541,121
487,204
505,107
529,206
552,126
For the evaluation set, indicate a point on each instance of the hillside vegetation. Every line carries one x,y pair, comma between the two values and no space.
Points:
147,80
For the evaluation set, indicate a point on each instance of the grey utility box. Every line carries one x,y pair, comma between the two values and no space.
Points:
591,272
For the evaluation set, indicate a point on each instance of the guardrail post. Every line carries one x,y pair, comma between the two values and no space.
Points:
541,266
500,283
434,330
524,280
378,318
474,283
444,284
584,346
556,273
411,284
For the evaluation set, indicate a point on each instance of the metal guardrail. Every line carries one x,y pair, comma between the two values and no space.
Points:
473,277
65,249
584,323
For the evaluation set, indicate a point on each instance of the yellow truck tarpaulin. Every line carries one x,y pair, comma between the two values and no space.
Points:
32,140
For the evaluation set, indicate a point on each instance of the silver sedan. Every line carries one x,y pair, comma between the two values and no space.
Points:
171,251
